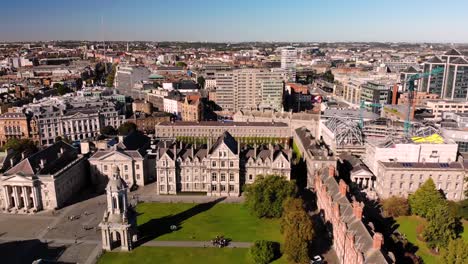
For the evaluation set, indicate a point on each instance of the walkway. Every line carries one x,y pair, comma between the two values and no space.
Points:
196,244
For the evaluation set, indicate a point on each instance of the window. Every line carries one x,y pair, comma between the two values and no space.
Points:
162,188
214,176
170,179
223,188
126,167
138,176
223,176
231,176
223,164
213,187
126,176
164,163
231,164
213,164
231,188
137,166
105,167
250,177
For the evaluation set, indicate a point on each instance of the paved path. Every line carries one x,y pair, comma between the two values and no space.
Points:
193,244
55,222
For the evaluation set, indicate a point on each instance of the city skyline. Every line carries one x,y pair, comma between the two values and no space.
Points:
239,21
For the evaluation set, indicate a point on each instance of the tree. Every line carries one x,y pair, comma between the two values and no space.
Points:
108,130
127,128
328,76
456,252
61,89
266,195
297,228
263,252
395,206
201,81
21,145
111,76
442,227
181,64
425,199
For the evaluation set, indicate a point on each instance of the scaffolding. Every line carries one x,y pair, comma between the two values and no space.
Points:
345,130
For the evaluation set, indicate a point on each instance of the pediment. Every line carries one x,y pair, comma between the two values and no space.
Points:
116,156
16,178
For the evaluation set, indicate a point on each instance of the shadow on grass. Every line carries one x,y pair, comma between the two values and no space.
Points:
27,251
161,226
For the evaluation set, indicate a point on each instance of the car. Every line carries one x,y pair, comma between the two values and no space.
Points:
316,260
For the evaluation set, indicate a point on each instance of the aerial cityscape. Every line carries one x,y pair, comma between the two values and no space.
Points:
255,132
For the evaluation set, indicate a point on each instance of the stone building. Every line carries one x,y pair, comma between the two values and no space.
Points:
218,170
118,225
146,122
129,155
191,110
352,241
13,125
404,178
214,129
45,180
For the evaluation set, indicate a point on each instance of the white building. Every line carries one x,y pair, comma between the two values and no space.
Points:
288,61
439,107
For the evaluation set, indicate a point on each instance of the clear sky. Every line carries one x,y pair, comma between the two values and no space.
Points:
235,20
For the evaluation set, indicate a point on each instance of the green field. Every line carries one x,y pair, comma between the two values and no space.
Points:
203,222
142,255
408,226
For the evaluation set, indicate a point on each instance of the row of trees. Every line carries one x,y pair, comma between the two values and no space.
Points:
124,129
275,197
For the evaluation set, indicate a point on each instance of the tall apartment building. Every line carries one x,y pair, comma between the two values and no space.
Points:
249,89
288,61
452,83
372,92
128,76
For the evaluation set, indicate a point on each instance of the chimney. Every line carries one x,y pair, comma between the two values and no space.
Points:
343,187
394,94
357,209
331,171
12,162
23,155
377,241
208,145
238,148
175,150
193,152
272,151
42,163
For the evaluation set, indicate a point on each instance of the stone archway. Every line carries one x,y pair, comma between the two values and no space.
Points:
115,239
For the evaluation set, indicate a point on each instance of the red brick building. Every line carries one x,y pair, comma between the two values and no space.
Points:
352,241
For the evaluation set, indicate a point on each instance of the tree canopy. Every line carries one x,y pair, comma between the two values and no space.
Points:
127,128
265,197
61,89
108,130
328,76
456,252
201,81
181,64
297,228
442,227
111,76
263,252
395,206
425,199
20,145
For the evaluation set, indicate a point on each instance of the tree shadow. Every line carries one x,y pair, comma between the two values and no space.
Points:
14,252
323,236
161,226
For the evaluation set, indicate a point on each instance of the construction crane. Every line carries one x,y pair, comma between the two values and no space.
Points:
363,106
411,92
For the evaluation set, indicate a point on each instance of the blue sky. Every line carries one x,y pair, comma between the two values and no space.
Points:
236,20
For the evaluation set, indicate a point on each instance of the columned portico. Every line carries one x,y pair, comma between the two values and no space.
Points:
20,197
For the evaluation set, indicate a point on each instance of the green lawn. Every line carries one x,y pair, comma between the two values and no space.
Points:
170,255
408,226
202,222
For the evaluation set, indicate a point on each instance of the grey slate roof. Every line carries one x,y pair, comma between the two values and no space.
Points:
453,52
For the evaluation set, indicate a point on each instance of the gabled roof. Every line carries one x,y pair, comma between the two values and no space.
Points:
459,61
410,69
52,158
228,140
435,59
453,52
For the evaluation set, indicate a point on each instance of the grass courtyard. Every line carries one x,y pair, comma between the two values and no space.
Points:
169,255
408,225
203,222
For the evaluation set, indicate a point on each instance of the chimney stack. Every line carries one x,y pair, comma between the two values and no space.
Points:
377,241
12,162
331,171
42,163
343,188
357,209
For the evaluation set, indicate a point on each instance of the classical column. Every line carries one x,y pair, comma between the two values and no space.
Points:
36,201
7,196
25,198
16,197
